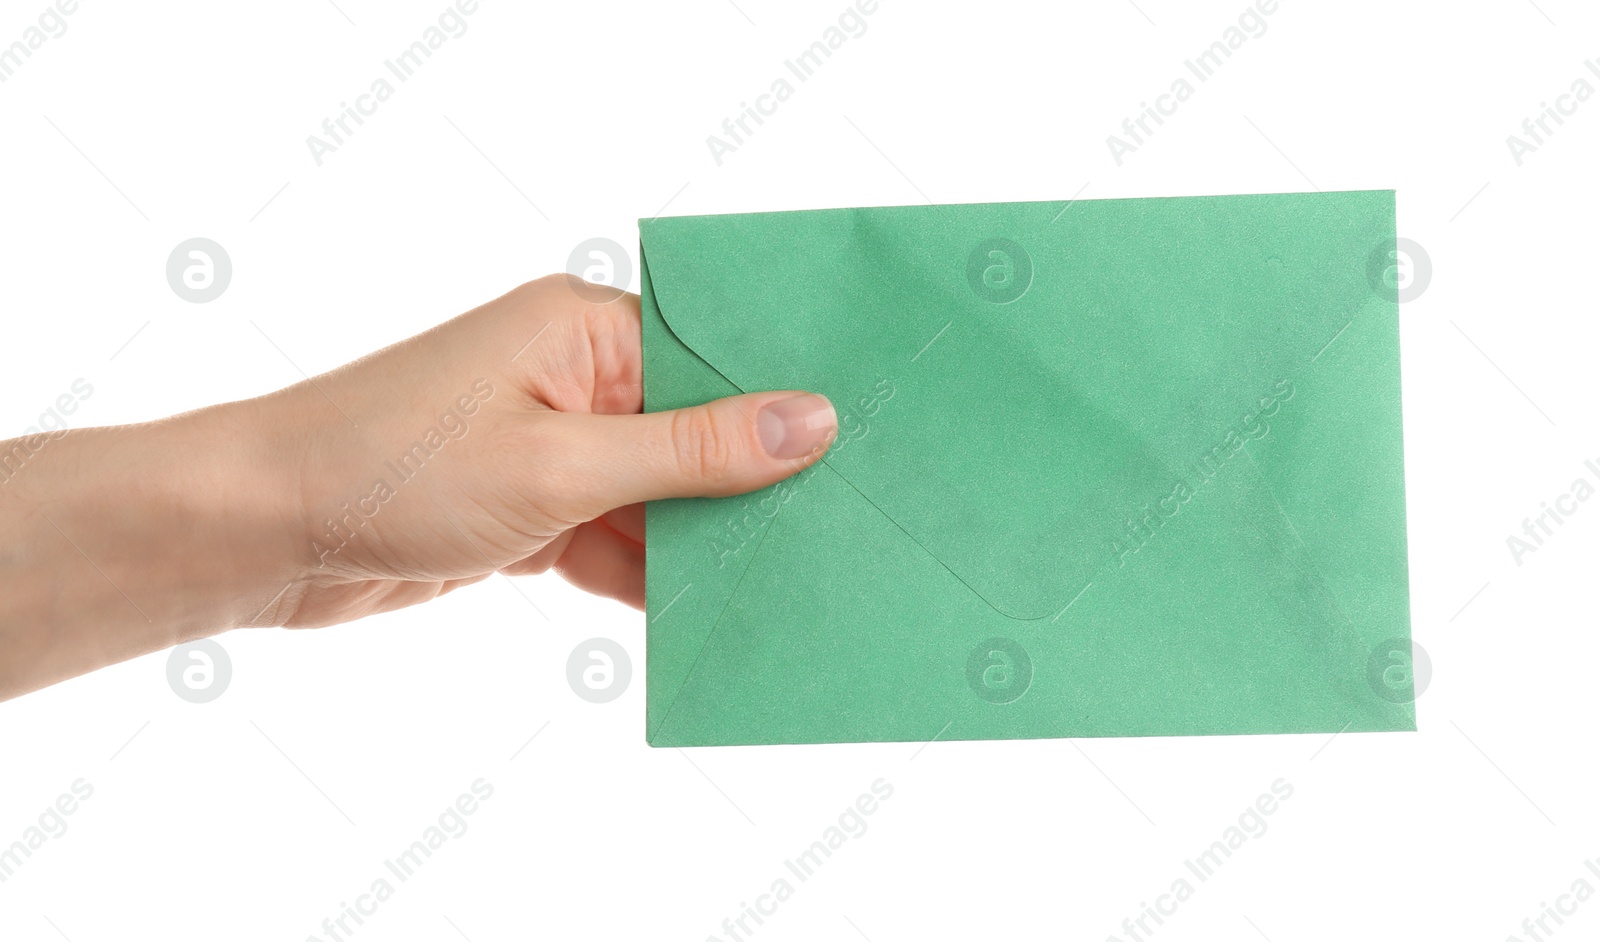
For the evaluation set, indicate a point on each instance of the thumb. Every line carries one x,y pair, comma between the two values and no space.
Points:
729,446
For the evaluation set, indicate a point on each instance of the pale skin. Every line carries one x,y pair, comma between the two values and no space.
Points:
125,540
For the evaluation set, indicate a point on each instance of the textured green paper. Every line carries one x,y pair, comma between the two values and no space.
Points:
1107,468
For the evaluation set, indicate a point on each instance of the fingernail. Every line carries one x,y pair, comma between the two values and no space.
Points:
792,428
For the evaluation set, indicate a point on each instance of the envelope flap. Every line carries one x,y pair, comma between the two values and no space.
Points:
1020,385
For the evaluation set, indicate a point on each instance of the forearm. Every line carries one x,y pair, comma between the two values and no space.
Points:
125,540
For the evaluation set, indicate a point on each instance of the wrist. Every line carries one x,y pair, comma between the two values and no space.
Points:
126,540
180,525
236,493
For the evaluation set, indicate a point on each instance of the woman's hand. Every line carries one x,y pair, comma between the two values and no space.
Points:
507,439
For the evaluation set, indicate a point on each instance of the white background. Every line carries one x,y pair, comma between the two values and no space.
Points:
255,816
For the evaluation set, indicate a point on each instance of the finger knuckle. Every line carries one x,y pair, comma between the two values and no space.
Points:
704,448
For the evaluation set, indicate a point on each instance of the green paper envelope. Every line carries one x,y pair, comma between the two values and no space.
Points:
1105,468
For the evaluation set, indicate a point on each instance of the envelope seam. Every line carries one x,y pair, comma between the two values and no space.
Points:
716,625
942,564
666,322
1300,561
